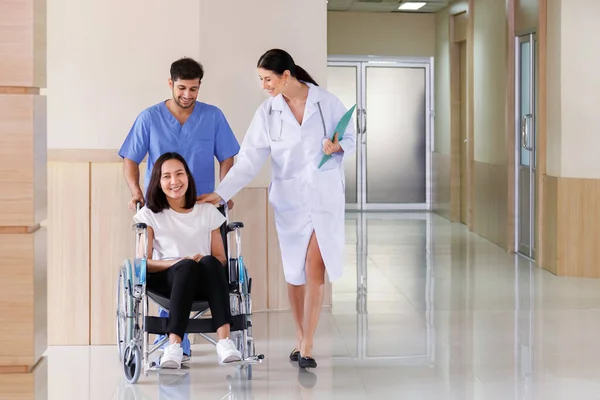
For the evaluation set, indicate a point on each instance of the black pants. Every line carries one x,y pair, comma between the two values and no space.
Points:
187,281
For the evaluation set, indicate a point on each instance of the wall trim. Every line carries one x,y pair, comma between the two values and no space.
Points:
83,155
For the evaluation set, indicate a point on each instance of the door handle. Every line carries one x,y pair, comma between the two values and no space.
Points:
525,132
365,121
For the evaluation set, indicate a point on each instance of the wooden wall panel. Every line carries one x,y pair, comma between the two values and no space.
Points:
549,248
111,242
455,174
278,298
26,386
68,253
39,43
541,134
491,202
471,114
441,192
23,43
22,159
459,178
578,227
461,27
571,225
526,16
23,298
251,209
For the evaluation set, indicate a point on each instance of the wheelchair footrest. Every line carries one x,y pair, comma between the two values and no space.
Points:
158,325
248,361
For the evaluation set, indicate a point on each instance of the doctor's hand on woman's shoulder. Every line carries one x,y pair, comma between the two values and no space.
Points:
212,198
330,147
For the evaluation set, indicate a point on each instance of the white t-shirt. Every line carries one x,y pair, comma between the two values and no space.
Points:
179,235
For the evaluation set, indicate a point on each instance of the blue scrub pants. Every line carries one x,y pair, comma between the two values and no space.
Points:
185,341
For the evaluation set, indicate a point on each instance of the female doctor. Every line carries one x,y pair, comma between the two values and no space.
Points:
293,126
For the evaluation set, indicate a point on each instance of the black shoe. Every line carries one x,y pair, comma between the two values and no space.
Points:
306,362
294,355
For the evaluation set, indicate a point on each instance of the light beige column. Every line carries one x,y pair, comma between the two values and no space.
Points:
23,191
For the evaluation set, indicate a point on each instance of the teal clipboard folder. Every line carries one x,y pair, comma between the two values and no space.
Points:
340,129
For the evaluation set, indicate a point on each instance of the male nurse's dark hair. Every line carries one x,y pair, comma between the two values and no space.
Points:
186,69
278,61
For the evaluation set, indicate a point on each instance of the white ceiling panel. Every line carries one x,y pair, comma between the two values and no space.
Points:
384,6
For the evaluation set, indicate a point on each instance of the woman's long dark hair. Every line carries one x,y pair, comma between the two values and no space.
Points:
279,61
156,200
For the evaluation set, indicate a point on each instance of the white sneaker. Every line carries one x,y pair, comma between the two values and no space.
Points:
172,356
227,352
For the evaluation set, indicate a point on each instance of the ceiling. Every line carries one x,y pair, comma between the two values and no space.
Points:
383,6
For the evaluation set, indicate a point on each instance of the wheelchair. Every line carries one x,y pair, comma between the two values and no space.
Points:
134,324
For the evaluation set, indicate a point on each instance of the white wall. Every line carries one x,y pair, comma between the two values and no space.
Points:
553,87
573,81
489,81
108,60
233,35
580,89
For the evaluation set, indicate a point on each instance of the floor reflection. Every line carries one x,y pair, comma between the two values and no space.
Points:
425,310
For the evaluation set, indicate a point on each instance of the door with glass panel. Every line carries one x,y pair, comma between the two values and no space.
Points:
343,81
527,142
391,167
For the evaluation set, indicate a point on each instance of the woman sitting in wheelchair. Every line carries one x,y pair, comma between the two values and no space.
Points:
186,256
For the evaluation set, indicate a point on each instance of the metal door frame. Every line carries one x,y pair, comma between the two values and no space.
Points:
522,136
362,63
357,65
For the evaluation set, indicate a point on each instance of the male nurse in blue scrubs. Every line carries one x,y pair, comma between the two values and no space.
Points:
196,130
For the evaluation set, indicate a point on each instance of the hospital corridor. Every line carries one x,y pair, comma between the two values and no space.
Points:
299,199
426,310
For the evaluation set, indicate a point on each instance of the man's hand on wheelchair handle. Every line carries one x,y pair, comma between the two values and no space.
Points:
136,198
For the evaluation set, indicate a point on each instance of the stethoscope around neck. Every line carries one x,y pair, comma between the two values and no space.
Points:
278,138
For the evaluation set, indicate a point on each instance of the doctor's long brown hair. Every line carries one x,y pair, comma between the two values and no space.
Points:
156,199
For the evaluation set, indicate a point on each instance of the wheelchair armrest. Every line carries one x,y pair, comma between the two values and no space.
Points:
232,226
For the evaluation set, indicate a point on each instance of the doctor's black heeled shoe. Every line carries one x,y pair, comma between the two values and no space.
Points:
294,355
306,362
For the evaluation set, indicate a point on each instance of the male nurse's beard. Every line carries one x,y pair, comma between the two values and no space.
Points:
176,100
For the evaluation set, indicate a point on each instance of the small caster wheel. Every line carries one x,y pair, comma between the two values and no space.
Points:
132,363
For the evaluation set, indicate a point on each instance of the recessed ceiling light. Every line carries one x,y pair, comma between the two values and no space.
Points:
412,5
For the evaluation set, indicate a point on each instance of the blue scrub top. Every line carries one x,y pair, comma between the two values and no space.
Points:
206,134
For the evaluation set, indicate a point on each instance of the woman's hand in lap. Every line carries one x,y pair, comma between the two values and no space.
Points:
196,257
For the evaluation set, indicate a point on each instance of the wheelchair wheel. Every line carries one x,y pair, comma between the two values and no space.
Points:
121,313
124,322
132,363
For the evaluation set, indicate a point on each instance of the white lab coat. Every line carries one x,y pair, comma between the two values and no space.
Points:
304,198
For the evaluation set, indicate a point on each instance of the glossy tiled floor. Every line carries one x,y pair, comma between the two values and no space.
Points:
424,311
